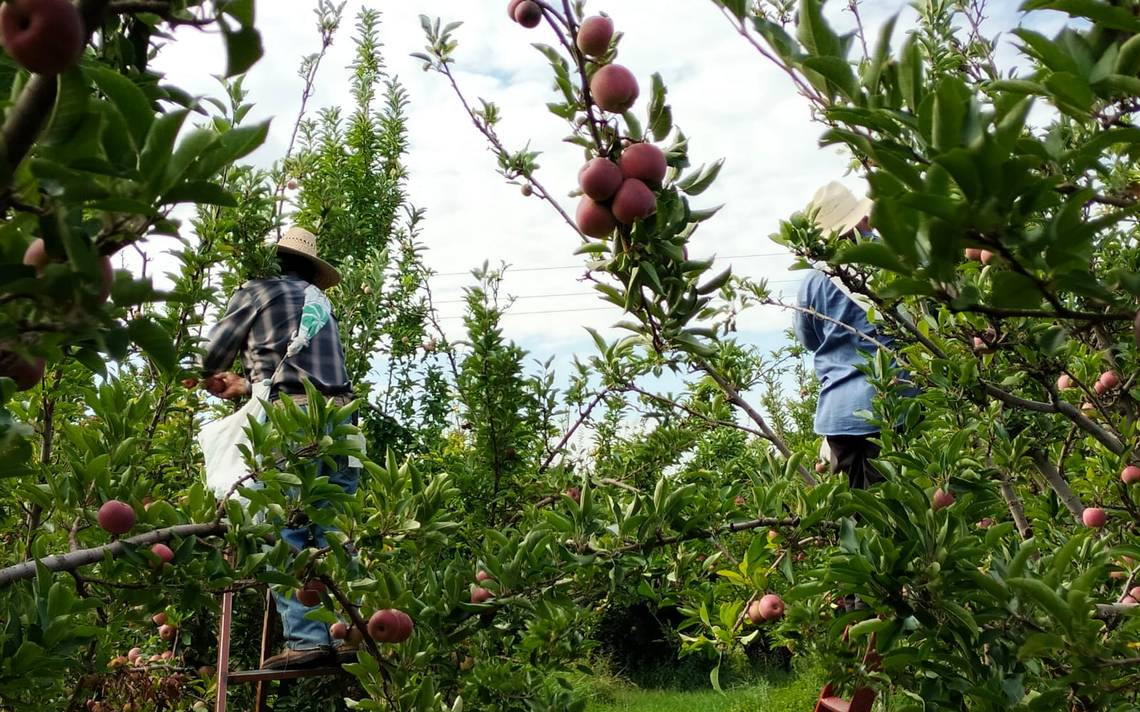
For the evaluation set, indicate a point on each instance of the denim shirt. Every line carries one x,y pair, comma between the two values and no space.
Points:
844,389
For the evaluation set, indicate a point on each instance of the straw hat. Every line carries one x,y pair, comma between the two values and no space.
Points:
839,211
299,241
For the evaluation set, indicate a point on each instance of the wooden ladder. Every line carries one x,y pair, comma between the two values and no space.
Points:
862,699
259,677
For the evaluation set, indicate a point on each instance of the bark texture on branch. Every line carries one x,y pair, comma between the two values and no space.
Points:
86,557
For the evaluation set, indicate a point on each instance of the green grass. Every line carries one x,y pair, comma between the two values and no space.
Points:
774,693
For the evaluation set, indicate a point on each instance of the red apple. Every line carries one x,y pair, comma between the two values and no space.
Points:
634,201
1064,382
338,631
528,14
133,654
1108,380
1099,388
973,254
163,552
986,257
390,626
36,255
116,517
482,576
739,501
614,88
159,619
600,178
595,35
754,613
43,36
1094,517
511,7
1130,475
985,523
480,595
309,595
594,219
291,185
771,607
575,494
27,374
167,632
406,626
942,499
645,162
821,467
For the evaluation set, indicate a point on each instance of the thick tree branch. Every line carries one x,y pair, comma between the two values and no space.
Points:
1058,484
770,435
86,557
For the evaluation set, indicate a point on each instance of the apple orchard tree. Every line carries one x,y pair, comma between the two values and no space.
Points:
998,563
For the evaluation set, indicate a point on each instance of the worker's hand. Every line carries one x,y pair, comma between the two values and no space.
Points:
226,385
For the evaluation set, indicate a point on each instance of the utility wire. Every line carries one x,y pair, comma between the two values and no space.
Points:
583,267
582,294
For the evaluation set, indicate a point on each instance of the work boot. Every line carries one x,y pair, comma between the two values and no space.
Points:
290,659
346,653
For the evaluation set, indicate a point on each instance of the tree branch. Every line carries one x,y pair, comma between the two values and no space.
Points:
1058,484
85,557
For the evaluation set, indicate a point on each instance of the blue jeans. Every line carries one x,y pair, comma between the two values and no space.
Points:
302,633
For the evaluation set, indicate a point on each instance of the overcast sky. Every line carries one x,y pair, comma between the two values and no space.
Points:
727,99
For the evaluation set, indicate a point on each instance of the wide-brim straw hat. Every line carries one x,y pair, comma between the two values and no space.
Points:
839,211
302,243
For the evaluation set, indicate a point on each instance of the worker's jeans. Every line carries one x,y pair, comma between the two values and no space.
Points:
300,632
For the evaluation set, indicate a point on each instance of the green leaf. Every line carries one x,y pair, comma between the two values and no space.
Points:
1100,13
243,49
660,114
159,147
837,71
813,31
156,342
70,109
201,193
875,254
1014,291
699,181
128,98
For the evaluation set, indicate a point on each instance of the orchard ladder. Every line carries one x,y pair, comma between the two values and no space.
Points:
259,677
862,699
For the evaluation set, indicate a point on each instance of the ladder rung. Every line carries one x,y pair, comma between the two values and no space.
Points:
834,704
245,676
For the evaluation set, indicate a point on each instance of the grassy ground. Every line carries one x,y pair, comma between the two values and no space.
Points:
790,693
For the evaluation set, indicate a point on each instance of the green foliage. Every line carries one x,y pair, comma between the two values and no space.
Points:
1001,600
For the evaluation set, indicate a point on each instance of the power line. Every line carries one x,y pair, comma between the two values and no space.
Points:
549,311
582,267
582,294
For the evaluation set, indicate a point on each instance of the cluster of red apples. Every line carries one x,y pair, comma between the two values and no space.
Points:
117,518
616,189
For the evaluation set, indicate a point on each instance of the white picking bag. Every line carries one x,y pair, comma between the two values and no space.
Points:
221,440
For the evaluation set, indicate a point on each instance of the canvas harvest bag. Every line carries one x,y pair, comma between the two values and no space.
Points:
222,440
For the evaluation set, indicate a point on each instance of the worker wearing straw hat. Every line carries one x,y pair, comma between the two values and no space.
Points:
839,349
284,333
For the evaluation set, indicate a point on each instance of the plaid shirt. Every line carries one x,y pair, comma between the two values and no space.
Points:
261,318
